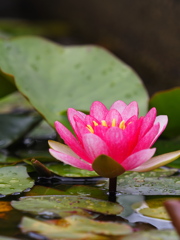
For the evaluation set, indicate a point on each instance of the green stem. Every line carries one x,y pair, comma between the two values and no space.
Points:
112,189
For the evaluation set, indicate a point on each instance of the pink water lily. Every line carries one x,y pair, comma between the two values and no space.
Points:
111,141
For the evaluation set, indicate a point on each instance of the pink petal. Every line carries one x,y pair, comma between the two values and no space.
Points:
119,106
71,113
113,114
162,120
158,161
147,122
100,131
138,158
94,146
75,162
131,135
146,141
118,146
71,141
98,110
57,146
130,110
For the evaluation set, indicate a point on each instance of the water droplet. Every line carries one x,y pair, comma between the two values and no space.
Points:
2,185
14,181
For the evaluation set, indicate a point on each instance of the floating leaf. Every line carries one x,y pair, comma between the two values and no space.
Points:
14,179
167,103
87,191
57,203
42,190
55,232
69,171
74,77
153,235
15,126
154,207
84,225
149,183
159,212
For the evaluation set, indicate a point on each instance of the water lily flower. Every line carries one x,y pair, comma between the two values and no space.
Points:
111,141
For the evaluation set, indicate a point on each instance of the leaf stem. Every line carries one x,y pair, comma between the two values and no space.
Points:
112,189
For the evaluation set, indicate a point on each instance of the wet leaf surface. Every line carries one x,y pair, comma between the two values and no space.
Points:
159,182
14,180
57,203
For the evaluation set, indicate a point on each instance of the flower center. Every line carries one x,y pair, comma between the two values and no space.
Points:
104,123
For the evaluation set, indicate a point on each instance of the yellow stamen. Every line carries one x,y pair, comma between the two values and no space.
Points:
122,125
113,122
104,123
95,123
90,128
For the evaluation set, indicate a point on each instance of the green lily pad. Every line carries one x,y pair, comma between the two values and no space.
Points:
15,126
153,235
153,207
74,77
149,183
69,171
55,204
54,232
87,191
83,224
167,103
14,179
42,190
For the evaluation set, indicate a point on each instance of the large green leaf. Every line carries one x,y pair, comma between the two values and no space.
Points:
14,179
55,78
167,102
15,126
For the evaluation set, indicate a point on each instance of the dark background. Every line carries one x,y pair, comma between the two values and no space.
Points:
143,33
